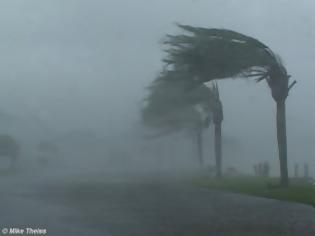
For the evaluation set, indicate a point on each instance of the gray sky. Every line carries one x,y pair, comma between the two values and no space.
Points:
78,64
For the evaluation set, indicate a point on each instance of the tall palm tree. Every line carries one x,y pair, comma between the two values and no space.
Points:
208,54
217,112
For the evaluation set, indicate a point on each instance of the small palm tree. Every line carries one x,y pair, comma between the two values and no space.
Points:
208,54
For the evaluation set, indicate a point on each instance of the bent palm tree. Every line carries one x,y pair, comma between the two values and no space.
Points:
214,105
209,54
171,108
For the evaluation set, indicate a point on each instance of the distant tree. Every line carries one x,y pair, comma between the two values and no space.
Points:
47,150
47,147
9,148
296,170
204,54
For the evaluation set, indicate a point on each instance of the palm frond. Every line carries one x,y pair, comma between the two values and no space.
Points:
209,54
170,104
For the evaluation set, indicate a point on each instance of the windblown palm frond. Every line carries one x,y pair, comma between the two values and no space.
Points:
209,54
171,105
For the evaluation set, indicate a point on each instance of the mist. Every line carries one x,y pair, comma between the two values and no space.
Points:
75,74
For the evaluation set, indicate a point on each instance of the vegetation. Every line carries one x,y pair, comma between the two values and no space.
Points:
47,147
9,148
204,55
217,111
300,191
47,150
175,104
170,107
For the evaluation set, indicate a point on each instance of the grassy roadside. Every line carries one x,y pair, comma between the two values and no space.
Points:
299,191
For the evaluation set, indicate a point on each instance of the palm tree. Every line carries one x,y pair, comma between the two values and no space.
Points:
171,108
217,112
208,54
214,106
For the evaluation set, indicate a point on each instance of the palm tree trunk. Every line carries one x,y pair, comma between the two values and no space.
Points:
282,142
200,146
218,149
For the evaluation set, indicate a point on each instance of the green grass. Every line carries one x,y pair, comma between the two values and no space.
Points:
298,191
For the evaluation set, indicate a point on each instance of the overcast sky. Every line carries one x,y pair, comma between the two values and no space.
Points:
84,64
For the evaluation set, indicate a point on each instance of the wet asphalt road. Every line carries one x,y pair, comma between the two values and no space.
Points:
144,206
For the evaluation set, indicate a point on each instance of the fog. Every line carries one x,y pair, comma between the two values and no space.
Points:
75,73
76,65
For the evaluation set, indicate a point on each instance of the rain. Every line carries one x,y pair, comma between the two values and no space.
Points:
146,118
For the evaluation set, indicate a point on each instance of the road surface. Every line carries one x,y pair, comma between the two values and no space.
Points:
147,206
